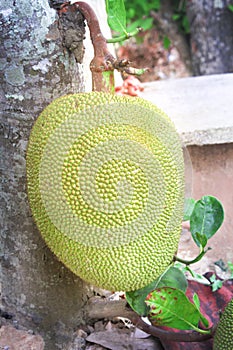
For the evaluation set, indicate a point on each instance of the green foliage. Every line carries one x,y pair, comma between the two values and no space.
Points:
206,218
164,300
195,276
215,283
126,17
138,12
171,307
117,18
189,204
172,277
166,42
196,301
180,16
116,15
230,268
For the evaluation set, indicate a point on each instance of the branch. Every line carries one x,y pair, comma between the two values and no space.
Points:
193,261
98,308
188,336
103,64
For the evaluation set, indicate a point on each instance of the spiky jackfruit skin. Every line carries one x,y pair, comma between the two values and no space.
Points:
223,338
105,178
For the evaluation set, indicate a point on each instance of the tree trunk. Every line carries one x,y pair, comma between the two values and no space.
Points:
211,24
38,292
172,30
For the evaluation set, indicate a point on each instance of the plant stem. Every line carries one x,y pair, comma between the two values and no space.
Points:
189,262
187,336
124,36
102,64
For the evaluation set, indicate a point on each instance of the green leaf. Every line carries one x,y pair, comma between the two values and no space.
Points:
136,24
215,283
176,16
146,23
230,7
196,301
172,277
171,307
201,239
116,15
136,299
186,26
188,208
206,218
204,320
230,268
131,13
197,277
166,42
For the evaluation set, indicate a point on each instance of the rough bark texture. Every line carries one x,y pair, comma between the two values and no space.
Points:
211,23
37,291
164,21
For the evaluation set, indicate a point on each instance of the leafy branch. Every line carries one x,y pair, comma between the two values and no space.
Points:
206,216
164,301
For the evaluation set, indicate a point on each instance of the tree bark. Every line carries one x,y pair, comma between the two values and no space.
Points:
164,19
211,25
38,292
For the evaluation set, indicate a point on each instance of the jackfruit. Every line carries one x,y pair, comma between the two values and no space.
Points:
105,179
223,337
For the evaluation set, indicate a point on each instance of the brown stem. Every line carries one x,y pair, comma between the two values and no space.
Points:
188,336
97,38
102,65
98,308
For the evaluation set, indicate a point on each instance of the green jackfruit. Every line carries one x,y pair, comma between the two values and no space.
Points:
105,178
223,337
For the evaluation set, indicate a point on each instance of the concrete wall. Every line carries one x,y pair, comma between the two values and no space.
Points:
201,109
212,168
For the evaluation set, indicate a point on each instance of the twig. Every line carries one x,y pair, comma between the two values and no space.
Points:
124,36
193,261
